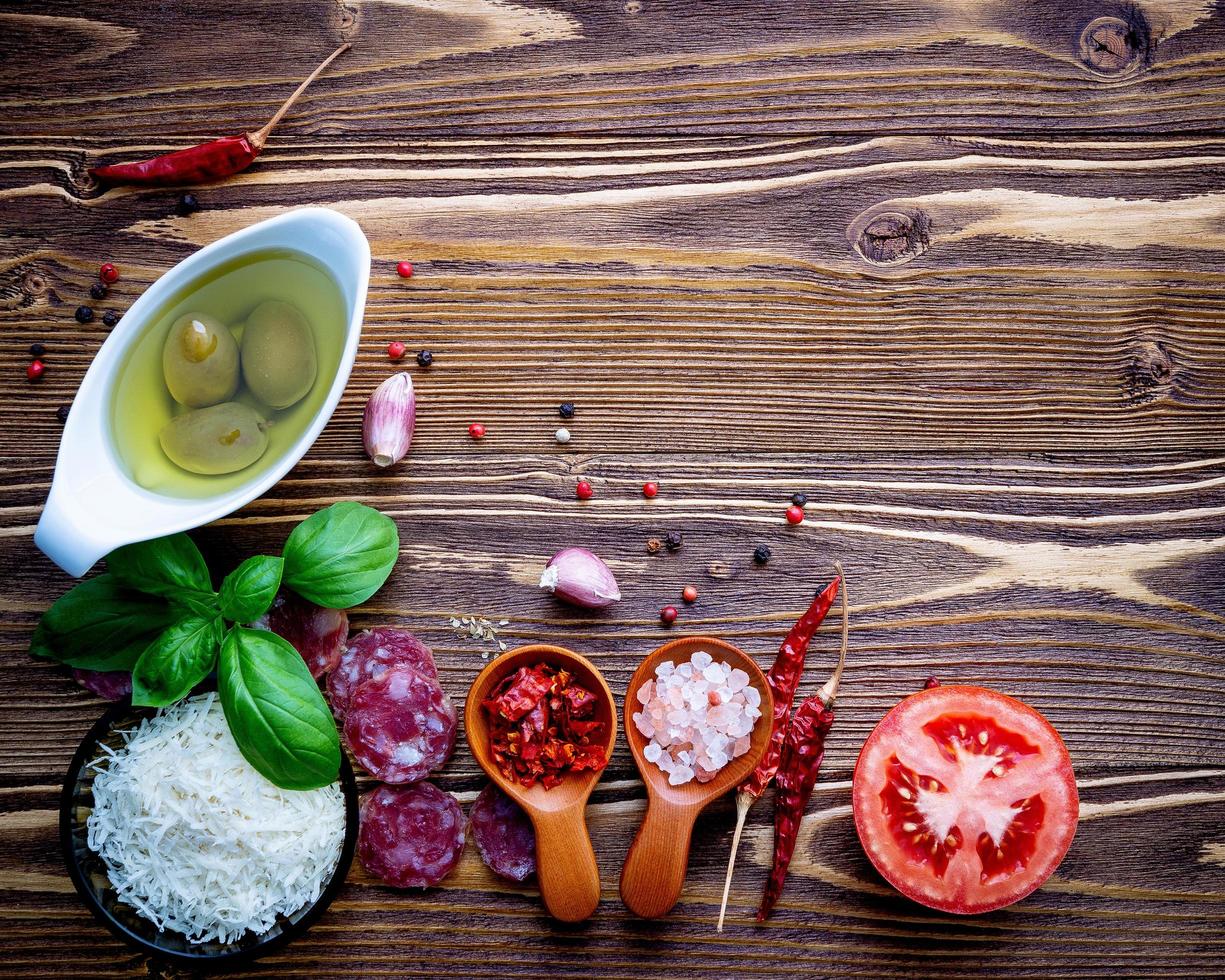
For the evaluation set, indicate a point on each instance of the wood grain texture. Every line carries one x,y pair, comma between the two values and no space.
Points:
952,268
641,66
889,293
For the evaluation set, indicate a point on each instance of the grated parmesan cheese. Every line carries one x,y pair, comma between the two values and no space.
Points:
199,842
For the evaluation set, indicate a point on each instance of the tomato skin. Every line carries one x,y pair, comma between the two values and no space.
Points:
964,799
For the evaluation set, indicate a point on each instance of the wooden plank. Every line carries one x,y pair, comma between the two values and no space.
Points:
1088,586
642,66
892,293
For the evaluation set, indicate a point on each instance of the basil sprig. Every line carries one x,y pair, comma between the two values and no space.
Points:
155,613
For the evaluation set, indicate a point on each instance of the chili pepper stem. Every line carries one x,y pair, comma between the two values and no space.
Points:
829,690
743,802
260,136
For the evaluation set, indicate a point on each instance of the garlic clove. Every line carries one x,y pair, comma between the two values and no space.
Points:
577,576
391,413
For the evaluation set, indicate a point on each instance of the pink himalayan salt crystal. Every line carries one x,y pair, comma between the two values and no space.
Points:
697,717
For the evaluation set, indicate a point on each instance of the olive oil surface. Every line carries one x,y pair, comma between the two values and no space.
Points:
141,404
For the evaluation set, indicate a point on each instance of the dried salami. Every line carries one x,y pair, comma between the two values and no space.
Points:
318,634
400,725
110,685
370,654
410,837
503,834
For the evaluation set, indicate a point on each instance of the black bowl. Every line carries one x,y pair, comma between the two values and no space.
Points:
89,874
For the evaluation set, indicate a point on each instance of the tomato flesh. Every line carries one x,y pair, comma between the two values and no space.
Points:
964,799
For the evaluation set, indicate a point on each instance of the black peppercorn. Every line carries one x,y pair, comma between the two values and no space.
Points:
98,290
425,358
61,413
799,499
110,318
84,314
37,350
188,204
761,554
566,410
672,540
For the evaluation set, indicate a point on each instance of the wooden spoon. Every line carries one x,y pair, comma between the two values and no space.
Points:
566,868
654,871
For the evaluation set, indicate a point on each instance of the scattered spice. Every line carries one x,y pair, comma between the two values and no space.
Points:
424,358
84,314
108,273
761,554
800,763
673,540
566,410
208,161
542,725
583,490
404,270
480,628
110,318
37,350
689,593
188,204
35,369
650,490
562,435
61,413
930,683
795,515
799,499
395,350
668,615
653,546
783,678
98,290
476,430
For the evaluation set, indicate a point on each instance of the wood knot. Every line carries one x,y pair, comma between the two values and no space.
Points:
1150,373
890,237
33,284
719,569
346,19
1113,46
634,7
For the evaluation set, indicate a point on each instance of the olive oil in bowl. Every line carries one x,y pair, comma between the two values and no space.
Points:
240,402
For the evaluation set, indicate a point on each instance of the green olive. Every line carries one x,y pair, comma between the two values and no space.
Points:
200,361
278,354
223,438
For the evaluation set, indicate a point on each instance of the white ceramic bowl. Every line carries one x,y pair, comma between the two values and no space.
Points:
93,506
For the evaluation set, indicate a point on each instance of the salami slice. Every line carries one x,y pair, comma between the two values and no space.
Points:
318,634
410,837
503,834
400,725
372,653
110,685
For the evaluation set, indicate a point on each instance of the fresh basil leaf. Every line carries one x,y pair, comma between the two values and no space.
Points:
99,625
248,591
342,555
276,711
179,659
171,567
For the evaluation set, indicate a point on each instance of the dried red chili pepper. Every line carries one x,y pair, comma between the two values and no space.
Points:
799,766
784,678
803,752
208,161
537,730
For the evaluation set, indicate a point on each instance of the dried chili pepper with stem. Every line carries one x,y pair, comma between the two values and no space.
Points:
784,678
209,161
803,753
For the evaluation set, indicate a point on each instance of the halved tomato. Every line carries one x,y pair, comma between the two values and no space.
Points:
964,799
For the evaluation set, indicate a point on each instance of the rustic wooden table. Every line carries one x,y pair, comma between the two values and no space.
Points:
953,270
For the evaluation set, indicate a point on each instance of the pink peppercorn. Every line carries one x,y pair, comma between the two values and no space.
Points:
404,270
667,615
476,430
108,273
795,515
649,490
583,490
395,350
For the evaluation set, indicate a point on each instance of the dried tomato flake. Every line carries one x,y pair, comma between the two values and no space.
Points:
536,729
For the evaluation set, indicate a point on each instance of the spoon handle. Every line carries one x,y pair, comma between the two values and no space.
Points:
654,871
565,864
